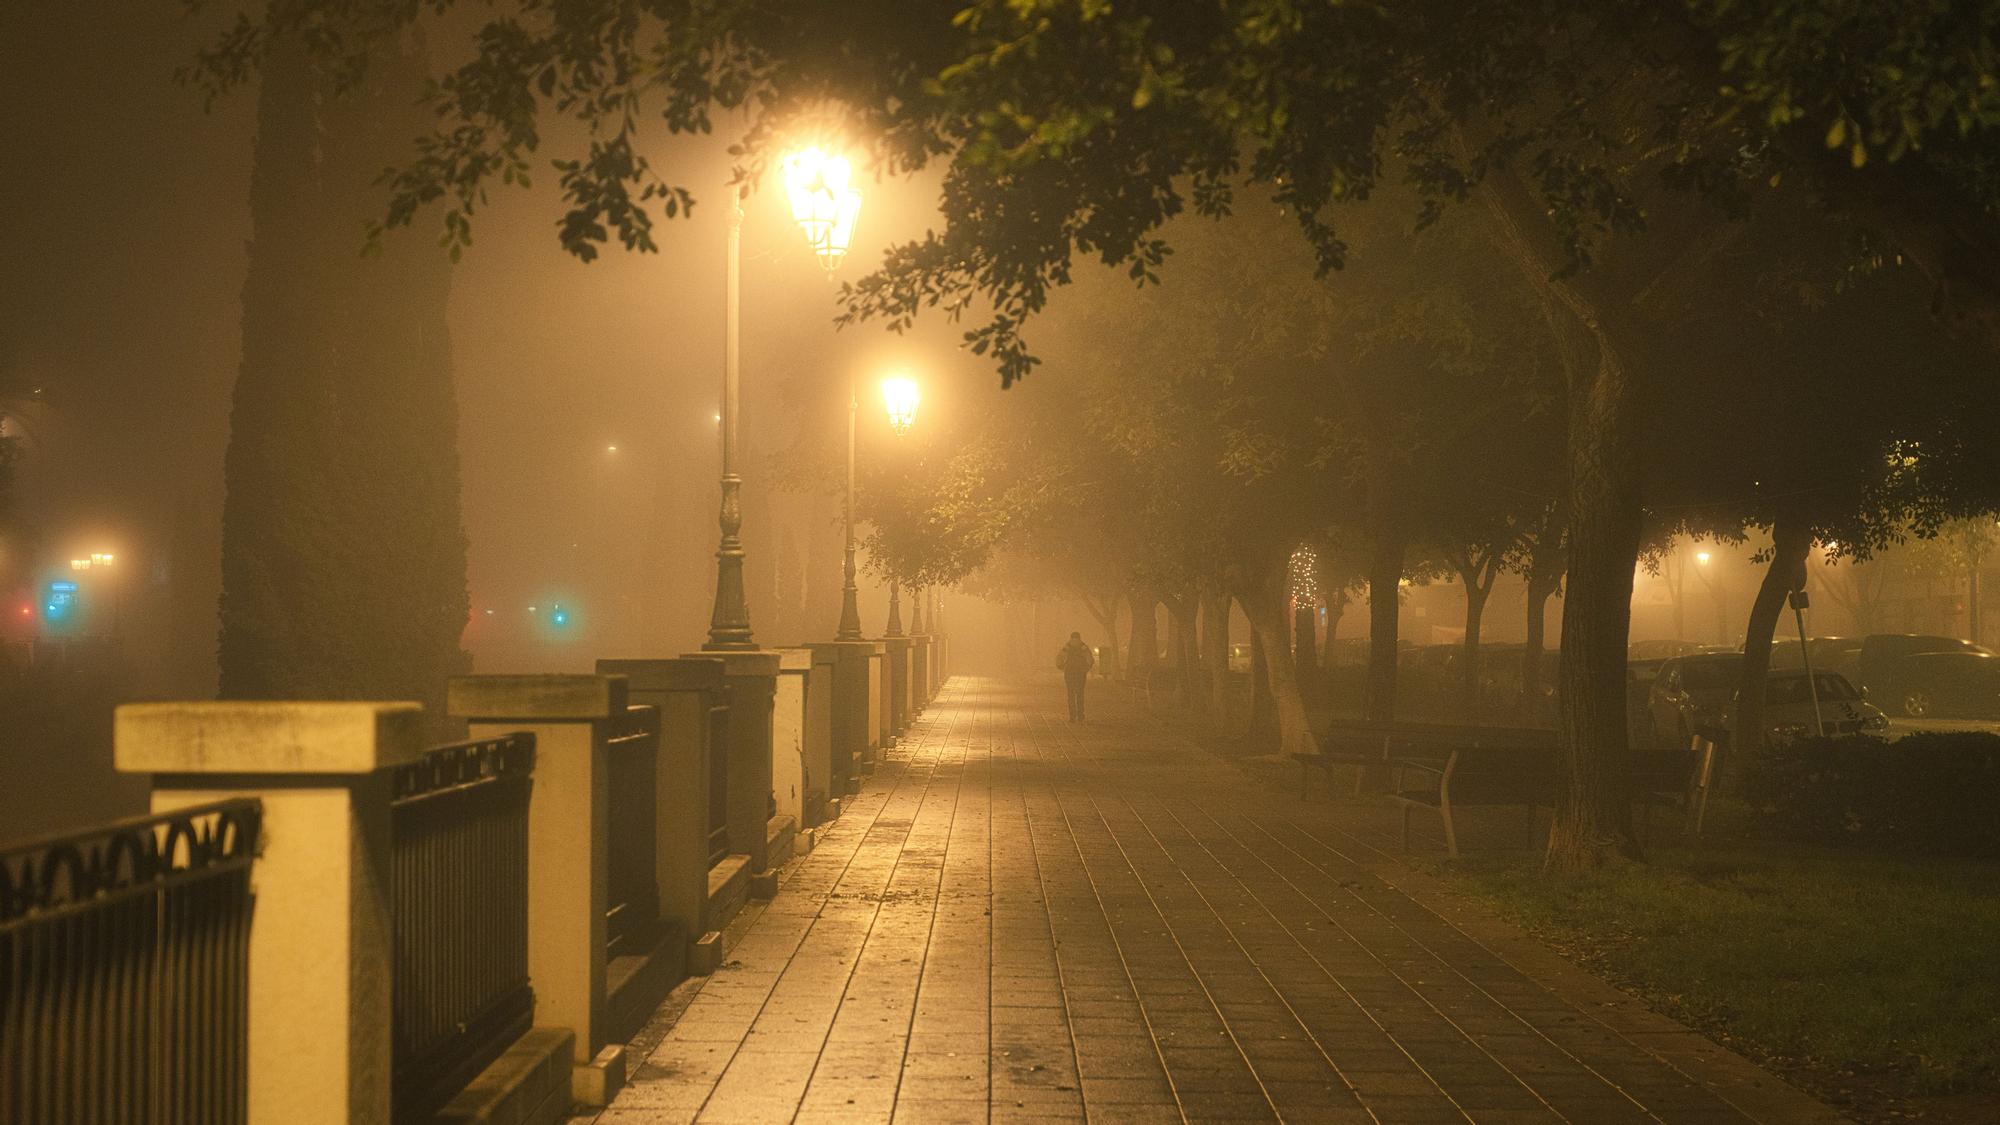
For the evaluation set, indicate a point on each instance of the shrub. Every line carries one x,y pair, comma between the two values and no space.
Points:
1932,792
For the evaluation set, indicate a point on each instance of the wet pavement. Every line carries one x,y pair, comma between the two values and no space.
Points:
1024,919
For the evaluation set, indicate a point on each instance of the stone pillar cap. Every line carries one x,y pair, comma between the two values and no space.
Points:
846,650
537,698
742,662
675,673
254,736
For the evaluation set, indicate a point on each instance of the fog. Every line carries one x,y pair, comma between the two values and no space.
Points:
587,400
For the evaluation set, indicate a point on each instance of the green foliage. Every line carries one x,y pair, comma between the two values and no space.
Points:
1080,129
1930,791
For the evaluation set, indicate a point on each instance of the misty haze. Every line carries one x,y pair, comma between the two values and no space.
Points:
1045,562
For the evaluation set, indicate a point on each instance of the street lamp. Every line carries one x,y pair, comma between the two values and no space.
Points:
825,206
823,202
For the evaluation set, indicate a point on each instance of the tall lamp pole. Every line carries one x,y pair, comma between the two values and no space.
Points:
850,606
900,397
825,207
729,623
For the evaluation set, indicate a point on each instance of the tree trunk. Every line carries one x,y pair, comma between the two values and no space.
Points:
1790,542
1265,605
343,559
1181,641
1215,654
1385,578
1540,590
1305,651
1468,679
1144,655
1593,807
1336,604
1263,726
1385,582
1105,610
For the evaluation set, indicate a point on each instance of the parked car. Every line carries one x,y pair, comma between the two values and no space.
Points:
1501,669
1690,694
1789,713
1639,677
1944,685
1829,654
1904,673
1660,650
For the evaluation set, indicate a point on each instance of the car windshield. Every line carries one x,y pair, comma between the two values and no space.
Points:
1703,674
1792,689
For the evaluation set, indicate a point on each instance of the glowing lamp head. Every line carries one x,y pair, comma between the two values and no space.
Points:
100,558
823,202
1701,557
900,396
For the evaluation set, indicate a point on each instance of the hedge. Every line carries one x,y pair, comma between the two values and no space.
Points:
1931,792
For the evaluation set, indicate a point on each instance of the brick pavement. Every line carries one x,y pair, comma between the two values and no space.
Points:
1020,919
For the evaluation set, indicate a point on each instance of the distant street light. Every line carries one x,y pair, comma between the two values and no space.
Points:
1714,596
825,206
900,395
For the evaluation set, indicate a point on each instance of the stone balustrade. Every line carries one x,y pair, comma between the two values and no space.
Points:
748,749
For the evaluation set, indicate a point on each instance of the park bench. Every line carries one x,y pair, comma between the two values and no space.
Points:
1477,776
1379,744
1678,779
1528,776
1157,683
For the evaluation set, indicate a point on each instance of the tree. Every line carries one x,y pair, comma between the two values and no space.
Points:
1818,447
343,554
1082,128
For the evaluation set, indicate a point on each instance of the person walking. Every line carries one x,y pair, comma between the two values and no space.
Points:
1075,660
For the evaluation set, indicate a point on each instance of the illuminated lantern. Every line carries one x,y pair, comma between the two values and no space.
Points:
900,395
823,203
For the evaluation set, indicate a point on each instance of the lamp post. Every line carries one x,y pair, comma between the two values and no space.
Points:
900,396
825,207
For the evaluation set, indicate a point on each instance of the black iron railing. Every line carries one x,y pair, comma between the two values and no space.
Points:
460,897
632,913
124,979
718,781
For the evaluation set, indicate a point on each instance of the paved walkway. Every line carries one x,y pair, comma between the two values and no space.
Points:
1021,919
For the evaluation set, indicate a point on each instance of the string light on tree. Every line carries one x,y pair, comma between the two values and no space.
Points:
1304,575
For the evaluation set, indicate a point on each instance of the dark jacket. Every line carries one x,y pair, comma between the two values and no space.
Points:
1075,659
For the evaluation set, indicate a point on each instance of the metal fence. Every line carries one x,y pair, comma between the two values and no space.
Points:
632,914
718,781
124,956
460,886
